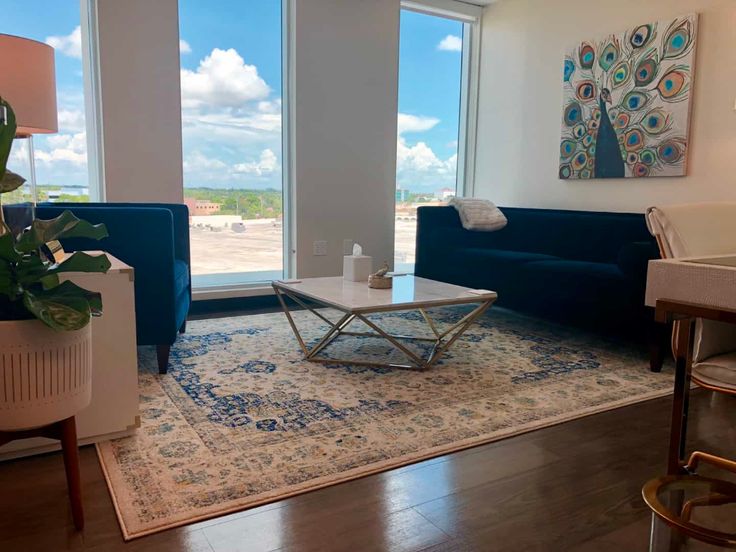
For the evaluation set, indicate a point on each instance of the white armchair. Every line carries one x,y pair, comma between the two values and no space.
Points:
702,229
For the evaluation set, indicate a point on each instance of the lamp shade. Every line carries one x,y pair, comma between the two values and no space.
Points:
28,83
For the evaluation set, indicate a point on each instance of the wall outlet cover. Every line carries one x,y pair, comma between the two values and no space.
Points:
320,248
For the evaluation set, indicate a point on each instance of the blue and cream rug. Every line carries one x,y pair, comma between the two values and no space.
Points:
241,420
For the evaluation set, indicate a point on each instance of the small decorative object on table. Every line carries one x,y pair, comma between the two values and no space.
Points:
380,279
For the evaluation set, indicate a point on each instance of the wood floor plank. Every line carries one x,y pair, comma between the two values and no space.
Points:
356,529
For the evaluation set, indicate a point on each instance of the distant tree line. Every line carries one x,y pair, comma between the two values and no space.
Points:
249,204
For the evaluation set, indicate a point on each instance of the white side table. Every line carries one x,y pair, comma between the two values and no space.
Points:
113,411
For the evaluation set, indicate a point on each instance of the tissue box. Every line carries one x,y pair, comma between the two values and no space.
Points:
357,268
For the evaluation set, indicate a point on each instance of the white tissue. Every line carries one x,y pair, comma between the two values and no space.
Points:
357,250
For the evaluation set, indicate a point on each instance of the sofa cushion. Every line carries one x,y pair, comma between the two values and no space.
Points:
633,260
181,277
574,289
494,268
574,272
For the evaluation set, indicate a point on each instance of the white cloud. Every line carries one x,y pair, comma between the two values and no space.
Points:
418,167
197,161
71,120
69,148
272,106
267,163
18,160
209,168
241,127
184,47
419,157
223,79
414,123
70,45
451,43
231,124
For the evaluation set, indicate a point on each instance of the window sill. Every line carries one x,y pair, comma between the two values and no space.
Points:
229,292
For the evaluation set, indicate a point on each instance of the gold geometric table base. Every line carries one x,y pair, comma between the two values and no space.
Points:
441,341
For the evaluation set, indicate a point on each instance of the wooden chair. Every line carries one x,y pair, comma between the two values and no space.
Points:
696,230
674,498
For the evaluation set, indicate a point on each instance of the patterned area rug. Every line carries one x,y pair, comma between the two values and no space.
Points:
242,420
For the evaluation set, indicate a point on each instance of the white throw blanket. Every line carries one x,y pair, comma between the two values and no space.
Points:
479,214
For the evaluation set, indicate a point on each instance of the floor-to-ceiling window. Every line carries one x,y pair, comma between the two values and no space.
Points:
231,124
433,83
60,159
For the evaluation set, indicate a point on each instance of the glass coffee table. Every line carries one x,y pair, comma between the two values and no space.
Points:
356,301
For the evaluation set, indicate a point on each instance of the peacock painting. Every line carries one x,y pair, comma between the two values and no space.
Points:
626,110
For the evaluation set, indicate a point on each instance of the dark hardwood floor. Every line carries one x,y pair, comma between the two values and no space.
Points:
572,487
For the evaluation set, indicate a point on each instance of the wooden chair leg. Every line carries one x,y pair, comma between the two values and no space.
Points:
681,397
162,355
70,449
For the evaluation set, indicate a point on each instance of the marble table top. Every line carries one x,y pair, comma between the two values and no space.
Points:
408,292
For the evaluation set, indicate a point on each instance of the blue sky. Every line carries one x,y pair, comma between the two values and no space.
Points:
231,93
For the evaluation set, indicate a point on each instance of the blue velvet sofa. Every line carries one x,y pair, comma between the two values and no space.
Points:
154,240
575,267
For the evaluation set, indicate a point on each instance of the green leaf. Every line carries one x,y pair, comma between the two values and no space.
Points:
30,269
50,281
10,181
8,285
7,248
66,225
65,307
79,261
7,135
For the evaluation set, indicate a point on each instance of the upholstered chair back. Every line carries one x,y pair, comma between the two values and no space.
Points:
698,230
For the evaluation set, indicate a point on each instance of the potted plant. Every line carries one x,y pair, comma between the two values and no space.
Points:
45,354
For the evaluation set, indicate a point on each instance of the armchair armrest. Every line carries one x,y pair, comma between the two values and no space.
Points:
142,237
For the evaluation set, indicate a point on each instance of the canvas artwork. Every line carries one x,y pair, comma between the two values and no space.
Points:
627,97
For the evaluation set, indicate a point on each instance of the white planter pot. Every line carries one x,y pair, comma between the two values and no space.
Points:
45,375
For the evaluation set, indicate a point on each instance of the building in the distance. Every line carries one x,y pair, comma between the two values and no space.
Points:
445,194
401,195
201,207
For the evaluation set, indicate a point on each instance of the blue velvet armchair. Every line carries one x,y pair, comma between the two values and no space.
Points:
153,238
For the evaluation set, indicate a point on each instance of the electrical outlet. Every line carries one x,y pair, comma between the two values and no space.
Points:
347,247
320,248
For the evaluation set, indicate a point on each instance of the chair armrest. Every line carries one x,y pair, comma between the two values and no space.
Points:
142,237
180,215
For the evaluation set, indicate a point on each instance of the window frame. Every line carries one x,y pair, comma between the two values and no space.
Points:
470,16
92,100
256,288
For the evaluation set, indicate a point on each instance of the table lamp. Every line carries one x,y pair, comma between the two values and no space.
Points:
28,84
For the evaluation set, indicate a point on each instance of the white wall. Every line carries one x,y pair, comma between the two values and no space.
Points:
345,104
140,98
521,97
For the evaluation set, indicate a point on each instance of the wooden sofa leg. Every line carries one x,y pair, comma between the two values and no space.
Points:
658,345
183,328
162,354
